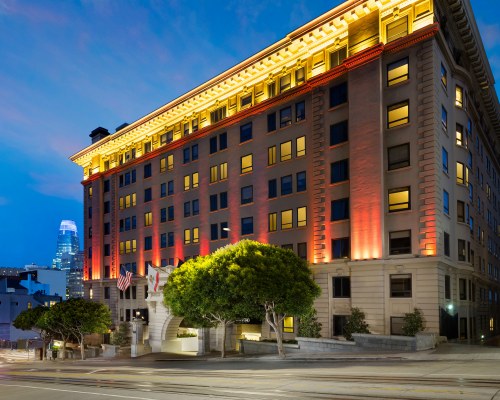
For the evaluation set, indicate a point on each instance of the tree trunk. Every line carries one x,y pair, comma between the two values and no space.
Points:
64,350
223,352
275,324
82,347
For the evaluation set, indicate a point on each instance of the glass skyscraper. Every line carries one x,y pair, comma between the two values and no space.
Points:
68,258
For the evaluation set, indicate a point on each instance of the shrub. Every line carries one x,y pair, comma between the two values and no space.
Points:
355,323
309,325
186,334
413,323
122,336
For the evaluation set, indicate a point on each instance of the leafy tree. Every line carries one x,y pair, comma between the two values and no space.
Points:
57,319
33,319
355,323
122,335
413,322
202,291
309,325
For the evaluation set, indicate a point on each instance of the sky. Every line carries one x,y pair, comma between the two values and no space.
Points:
67,67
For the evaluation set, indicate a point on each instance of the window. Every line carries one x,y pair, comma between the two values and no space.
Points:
163,240
398,156
214,173
339,133
300,111
338,94
194,125
460,173
447,287
300,76
286,151
186,155
195,179
288,325
397,72
397,29
340,248
247,194
398,114
399,242
107,228
399,199
286,219
170,188
272,189
285,116
446,244
187,236
218,114
462,288
272,222
147,170
246,100
223,200
170,213
106,207
223,171
186,129
302,250
223,230
459,96
163,215
106,186
170,239
271,122
461,250
401,285
148,195
301,181
195,204
213,202
285,82
148,243
339,171
301,216
213,145
247,226
107,250
337,57
148,218
300,146
245,132
460,211
340,209
127,201
286,185
446,202
187,209
444,76
460,140
444,118
163,190
246,163
214,231
223,141
271,155
196,235
341,286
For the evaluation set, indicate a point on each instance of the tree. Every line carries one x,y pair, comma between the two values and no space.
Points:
309,325
77,318
33,319
355,323
202,291
413,322
122,335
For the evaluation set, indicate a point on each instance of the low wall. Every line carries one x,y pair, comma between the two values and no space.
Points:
422,341
254,347
324,345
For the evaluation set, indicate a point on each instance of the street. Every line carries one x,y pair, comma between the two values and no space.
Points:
151,379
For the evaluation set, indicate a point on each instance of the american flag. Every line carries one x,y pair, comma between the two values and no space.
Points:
124,281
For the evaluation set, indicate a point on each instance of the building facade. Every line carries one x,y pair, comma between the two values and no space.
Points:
366,141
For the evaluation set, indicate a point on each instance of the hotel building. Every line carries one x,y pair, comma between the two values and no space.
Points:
366,141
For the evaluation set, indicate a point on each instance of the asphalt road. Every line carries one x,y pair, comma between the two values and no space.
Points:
251,379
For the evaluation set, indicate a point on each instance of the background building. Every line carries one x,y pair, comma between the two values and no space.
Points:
366,141
68,258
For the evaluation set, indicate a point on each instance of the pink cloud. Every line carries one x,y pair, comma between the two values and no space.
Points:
31,11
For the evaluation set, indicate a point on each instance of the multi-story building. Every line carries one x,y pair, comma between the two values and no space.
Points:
366,141
68,258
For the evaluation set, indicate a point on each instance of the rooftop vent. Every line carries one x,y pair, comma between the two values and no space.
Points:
119,128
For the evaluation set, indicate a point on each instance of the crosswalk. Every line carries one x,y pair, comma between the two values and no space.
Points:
7,355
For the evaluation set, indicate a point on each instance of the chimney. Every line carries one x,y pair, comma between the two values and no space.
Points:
98,134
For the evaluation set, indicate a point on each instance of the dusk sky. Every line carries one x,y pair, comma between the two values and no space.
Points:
67,67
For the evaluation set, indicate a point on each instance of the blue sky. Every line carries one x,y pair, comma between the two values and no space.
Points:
67,67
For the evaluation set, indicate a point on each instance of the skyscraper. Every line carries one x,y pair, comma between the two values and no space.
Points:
68,247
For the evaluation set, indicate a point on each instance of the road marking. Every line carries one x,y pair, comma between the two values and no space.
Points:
94,371
79,391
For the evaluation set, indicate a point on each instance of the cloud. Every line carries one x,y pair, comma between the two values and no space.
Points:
57,185
32,12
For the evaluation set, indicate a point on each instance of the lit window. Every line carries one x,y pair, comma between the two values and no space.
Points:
218,114
246,163
187,236
273,222
223,171
397,72
301,146
460,136
286,219
300,76
285,82
460,173
246,101
195,179
285,116
286,151
196,235
398,156
302,216
163,164
444,76
399,199
337,57
288,325
397,29
214,173
194,125
271,89
401,285
187,182
271,155
398,114
400,242
148,218
170,162
459,96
